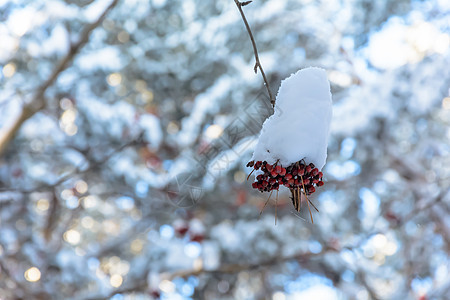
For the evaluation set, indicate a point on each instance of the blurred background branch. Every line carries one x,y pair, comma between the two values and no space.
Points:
38,101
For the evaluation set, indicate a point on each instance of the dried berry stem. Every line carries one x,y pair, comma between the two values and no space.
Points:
276,208
313,206
307,200
265,204
250,174
255,51
309,208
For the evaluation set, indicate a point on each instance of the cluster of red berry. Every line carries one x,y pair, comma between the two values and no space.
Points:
297,176
182,228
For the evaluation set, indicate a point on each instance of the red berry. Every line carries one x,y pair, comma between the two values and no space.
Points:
264,183
197,237
301,171
311,189
272,180
320,183
320,174
17,172
278,169
181,227
288,176
306,181
273,173
255,185
315,172
315,181
308,169
283,172
155,294
269,167
391,216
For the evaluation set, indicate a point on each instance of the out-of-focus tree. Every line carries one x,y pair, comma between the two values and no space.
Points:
125,127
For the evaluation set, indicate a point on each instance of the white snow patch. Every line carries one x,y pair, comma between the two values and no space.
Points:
108,58
225,161
93,11
398,44
300,125
205,104
152,127
58,42
319,291
9,44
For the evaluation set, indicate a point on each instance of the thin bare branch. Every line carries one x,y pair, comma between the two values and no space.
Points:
255,50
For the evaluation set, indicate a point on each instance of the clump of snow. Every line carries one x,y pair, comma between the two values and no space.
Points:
300,125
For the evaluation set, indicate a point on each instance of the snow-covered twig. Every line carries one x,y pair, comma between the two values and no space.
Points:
255,50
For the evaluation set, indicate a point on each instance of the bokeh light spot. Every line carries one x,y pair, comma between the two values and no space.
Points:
114,79
123,36
72,236
116,280
214,131
167,286
166,231
239,176
33,274
136,246
81,186
446,103
42,205
9,70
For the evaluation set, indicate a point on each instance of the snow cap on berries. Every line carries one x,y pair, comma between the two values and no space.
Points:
300,125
